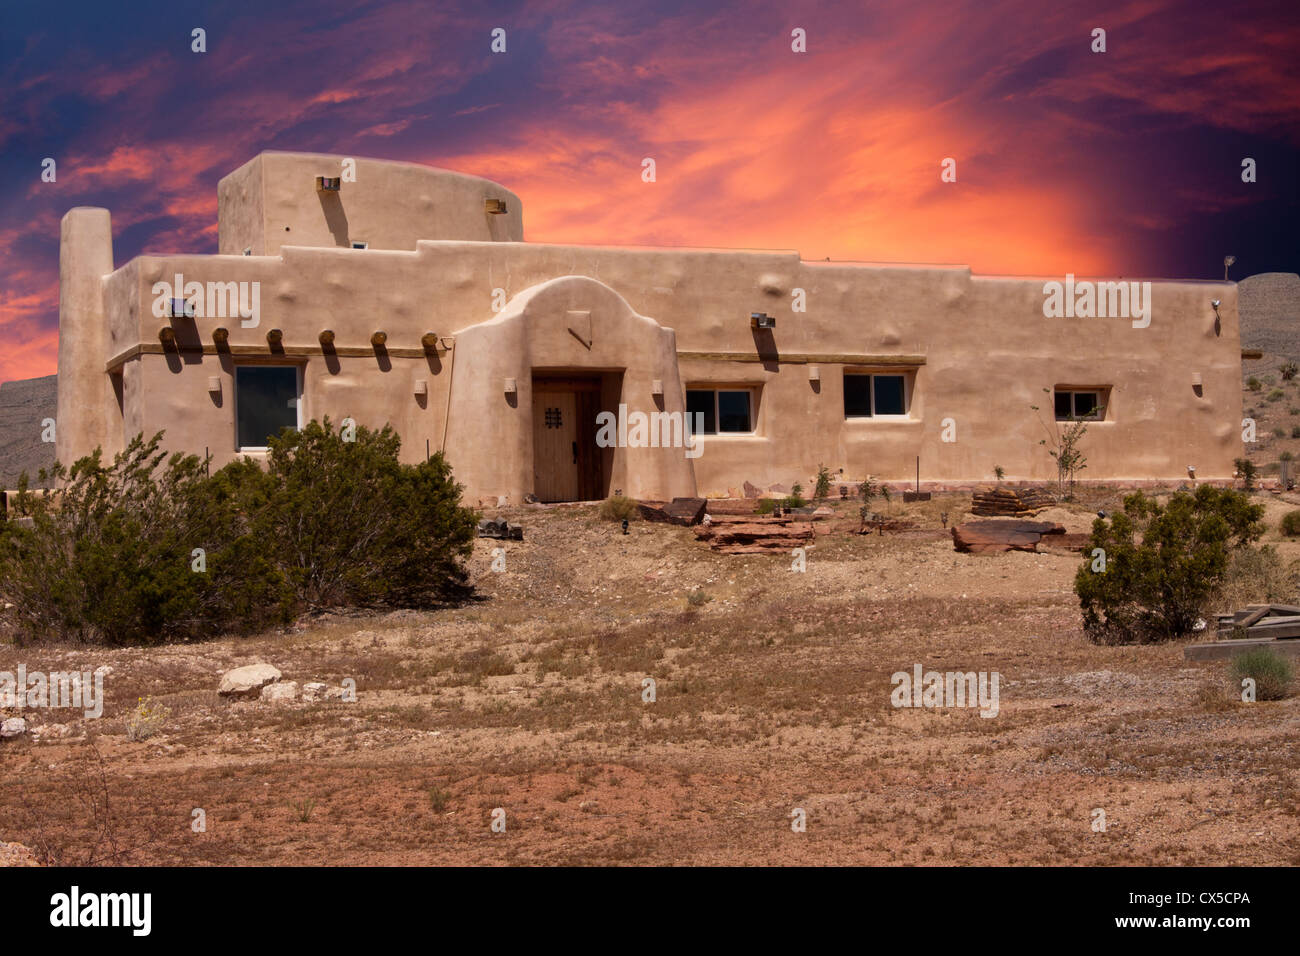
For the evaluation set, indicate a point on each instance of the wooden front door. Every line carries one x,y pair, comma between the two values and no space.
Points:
566,461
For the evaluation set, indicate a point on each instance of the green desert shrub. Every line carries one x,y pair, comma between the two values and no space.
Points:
150,548
795,499
698,598
823,487
1291,524
619,508
1271,672
1247,470
144,549
1163,563
766,506
1275,395
349,525
1254,384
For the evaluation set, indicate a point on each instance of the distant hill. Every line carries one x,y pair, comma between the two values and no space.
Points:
23,405
1269,307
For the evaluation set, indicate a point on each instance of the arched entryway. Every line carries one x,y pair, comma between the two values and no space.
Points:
527,384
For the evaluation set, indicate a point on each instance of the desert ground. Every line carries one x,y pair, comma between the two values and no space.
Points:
772,692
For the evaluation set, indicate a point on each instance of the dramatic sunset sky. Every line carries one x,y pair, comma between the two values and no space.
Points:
1125,163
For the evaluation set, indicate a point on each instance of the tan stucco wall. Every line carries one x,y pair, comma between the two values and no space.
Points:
985,348
272,201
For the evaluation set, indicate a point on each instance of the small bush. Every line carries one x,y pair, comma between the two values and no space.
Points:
999,472
1289,371
766,506
1291,524
867,491
795,499
1256,576
145,720
1275,395
823,487
1163,562
1295,431
1254,384
1279,432
439,799
1271,672
698,598
619,508
1247,471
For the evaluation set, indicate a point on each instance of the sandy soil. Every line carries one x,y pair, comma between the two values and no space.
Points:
772,693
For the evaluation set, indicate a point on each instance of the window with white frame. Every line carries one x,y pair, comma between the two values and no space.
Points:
875,394
725,411
1080,404
266,401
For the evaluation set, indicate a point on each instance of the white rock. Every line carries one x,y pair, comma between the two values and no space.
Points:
247,681
314,691
56,731
13,727
280,691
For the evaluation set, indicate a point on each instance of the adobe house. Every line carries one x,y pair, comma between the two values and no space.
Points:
393,292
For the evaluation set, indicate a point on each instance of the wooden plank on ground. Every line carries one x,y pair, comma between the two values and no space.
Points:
1254,616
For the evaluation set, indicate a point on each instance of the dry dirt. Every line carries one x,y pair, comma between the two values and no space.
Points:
772,694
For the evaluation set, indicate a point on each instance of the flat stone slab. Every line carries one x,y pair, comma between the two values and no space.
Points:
680,511
1226,650
991,537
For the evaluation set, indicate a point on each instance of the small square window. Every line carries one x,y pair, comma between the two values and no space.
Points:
266,401
1078,405
724,411
875,394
